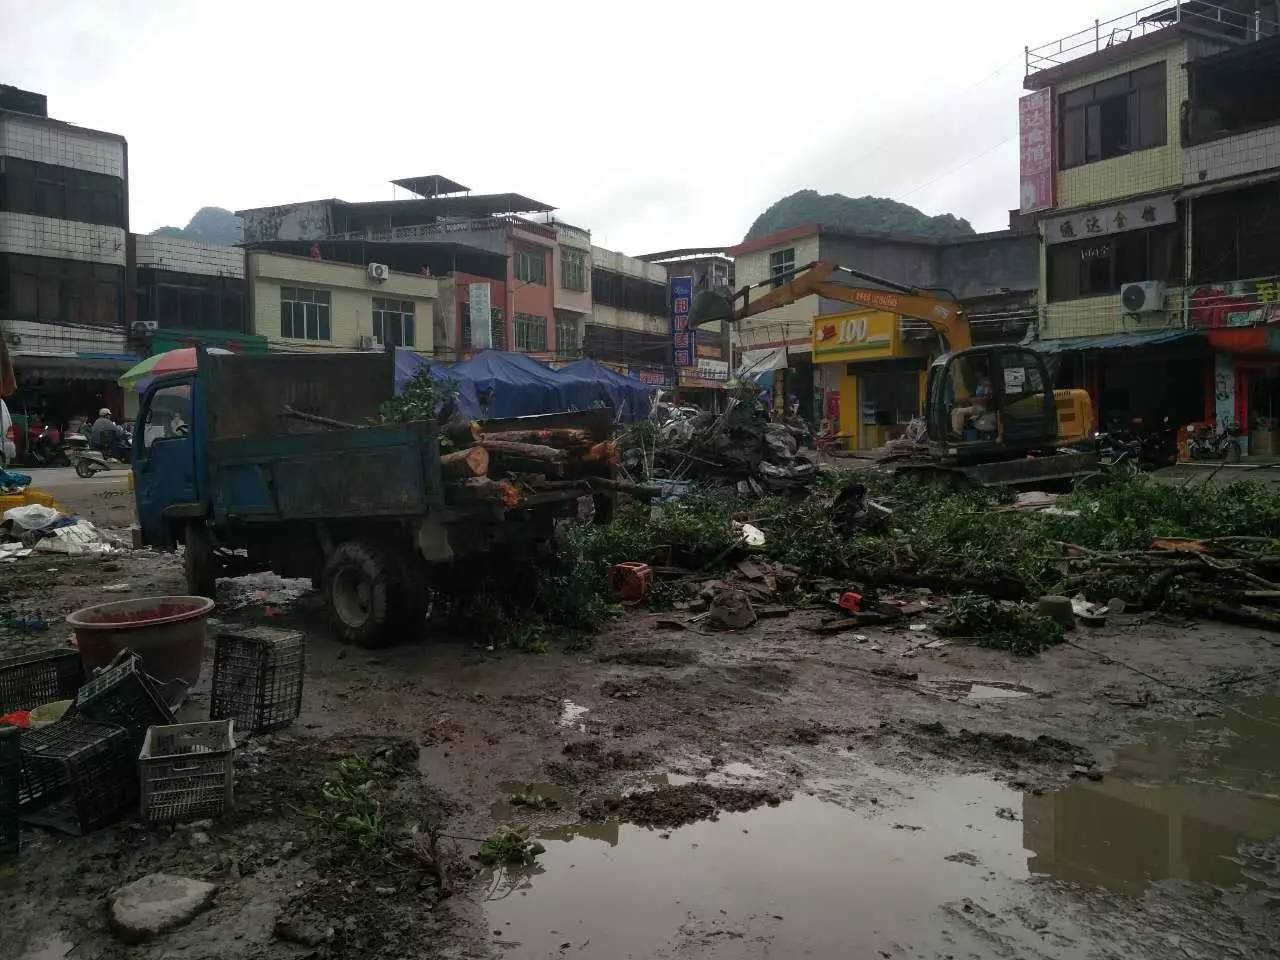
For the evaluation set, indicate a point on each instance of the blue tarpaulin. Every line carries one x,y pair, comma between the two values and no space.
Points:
629,398
516,385
409,363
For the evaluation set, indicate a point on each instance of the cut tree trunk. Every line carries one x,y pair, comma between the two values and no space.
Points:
461,431
484,490
605,452
524,451
560,437
471,462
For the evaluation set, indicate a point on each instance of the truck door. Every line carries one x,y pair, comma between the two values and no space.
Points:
164,462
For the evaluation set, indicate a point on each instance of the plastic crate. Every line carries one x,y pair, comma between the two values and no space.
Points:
125,696
187,771
77,775
257,677
39,678
10,768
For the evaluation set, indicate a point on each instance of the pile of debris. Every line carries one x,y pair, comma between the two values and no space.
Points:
741,445
513,467
37,528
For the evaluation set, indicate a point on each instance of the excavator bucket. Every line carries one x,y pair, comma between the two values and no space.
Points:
708,307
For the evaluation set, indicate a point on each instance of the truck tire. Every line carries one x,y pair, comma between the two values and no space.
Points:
364,593
199,562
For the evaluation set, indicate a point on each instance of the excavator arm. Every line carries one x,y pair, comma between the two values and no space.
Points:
816,278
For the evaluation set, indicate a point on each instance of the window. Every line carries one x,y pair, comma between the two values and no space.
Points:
567,344
304,314
71,291
1236,235
168,415
1094,268
191,301
531,266
573,269
611,289
781,262
64,193
1113,117
393,322
531,333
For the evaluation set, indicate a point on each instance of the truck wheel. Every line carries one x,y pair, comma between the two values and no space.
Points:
362,590
199,562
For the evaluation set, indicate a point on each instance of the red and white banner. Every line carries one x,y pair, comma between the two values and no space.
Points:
1036,152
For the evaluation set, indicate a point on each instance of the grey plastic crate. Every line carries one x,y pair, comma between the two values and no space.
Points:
257,677
187,771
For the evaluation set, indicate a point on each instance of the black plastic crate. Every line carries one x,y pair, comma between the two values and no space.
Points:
125,696
77,775
10,770
39,678
257,677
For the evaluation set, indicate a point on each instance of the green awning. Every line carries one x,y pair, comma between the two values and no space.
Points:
1116,341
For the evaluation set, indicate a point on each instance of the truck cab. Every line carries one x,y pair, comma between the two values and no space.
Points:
168,488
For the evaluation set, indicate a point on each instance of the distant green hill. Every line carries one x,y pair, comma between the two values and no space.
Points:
209,225
857,215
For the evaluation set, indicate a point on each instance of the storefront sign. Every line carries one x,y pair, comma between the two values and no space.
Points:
683,339
862,335
654,376
481,318
713,369
1036,152
1235,303
710,350
1138,215
690,378
163,340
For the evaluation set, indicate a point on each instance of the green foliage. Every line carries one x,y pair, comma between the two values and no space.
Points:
689,532
352,801
506,847
421,400
1016,627
534,801
859,215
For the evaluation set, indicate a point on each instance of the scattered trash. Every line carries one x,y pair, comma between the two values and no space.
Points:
918,627
630,582
1090,614
851,601
752,536
117,588
731,609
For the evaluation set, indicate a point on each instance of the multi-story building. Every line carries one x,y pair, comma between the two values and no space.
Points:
520,307
630,322
190,293
869,394
1149,150
710,269
571,276
64,219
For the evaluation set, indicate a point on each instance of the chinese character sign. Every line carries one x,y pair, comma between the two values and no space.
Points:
683,348
1139,215
481,321
1035,152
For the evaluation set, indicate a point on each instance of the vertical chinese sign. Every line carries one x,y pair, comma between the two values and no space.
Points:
683,349
1035,152
481,320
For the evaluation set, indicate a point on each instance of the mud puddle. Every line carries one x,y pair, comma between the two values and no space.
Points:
923,870
1196,800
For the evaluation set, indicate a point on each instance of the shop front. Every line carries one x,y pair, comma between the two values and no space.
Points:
703,385
871,379
65,392
1246,385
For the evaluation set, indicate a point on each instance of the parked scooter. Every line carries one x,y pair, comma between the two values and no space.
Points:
90,461
1209,443
45,447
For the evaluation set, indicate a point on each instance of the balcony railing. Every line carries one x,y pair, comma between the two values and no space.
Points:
1103,34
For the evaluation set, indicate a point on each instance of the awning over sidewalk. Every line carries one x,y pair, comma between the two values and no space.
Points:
52,367
1116,341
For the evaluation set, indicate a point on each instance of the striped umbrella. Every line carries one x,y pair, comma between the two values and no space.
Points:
140,375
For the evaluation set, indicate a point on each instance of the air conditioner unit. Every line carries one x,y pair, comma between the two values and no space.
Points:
379,271
1146,296
143,327
364,342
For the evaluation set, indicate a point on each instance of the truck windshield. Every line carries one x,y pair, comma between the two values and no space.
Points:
168,415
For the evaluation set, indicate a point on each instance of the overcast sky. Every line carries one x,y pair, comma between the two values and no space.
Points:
655,125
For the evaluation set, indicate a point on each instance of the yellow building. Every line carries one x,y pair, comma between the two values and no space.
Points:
301,303
879,374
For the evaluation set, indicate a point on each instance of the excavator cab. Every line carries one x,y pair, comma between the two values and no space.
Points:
988,402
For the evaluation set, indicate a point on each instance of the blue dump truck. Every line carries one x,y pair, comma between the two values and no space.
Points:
254,463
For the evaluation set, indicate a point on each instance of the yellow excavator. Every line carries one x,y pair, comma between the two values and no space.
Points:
992,415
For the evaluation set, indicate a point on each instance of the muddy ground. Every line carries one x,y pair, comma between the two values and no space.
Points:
771,792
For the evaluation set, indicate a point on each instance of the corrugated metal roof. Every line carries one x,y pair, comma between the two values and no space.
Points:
1114,341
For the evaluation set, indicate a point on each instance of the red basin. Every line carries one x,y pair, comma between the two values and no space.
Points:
166,632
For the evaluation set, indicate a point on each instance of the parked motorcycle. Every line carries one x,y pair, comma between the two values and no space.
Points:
45,447
1209,443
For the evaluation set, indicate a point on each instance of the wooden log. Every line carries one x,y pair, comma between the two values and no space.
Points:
471,462
637,490
461,431
559,437
605,452
484,490
502,463
319,420
524,451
